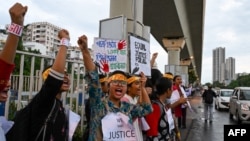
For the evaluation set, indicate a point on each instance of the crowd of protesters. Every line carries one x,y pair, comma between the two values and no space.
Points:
121,106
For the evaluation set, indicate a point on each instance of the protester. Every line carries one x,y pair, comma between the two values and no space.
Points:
180,96
133,96
104,86
208,96
174,132
159,119
110,116
7,56
47,105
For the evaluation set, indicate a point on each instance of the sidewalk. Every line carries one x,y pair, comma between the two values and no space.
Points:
196,104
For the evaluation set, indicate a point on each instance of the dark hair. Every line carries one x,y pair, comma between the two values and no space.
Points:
102,76
118,72
176,77
50,66
162,85
169,73
155,75
149,83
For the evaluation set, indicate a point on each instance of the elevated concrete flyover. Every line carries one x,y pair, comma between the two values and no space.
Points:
178,18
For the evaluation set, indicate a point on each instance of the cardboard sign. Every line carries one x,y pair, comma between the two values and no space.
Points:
110,55
139,56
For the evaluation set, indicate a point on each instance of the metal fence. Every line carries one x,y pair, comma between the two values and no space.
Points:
25,87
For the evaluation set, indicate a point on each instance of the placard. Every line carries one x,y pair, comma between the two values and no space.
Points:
110,55
139,56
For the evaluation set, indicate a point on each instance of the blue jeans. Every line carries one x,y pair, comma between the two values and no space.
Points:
208,111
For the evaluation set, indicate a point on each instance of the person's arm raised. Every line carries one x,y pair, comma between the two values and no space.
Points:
144,98
152,61
17,13
60,60
87,60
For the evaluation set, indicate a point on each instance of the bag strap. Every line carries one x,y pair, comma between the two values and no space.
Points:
160,105
44,127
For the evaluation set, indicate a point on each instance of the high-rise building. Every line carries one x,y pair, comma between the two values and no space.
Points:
43,33
219,64
230,69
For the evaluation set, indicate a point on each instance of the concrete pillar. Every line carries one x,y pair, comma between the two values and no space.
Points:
133,10
174,46
184,70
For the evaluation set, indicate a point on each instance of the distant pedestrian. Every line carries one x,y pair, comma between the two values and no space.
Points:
208,97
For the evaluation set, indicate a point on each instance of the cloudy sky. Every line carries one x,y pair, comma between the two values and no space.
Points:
226,25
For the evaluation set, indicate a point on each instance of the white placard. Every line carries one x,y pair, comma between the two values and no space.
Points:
139,56
110,54
115,127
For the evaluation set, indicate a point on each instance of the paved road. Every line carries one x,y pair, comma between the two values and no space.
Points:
198,130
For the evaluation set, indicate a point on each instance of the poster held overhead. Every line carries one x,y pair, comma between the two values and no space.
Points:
110,55
139,56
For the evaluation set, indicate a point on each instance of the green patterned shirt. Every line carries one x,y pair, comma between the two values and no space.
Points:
99,106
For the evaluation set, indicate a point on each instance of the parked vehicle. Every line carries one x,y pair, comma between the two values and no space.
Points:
222,99
239,104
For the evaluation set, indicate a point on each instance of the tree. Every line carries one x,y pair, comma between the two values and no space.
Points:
191,76
218,84
27,60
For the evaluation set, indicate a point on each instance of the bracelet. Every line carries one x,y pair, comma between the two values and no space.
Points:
65,42
15,29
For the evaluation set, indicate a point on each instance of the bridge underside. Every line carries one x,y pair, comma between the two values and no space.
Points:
178,18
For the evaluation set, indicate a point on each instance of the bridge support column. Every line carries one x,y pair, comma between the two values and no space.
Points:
133,11
184,70
173,46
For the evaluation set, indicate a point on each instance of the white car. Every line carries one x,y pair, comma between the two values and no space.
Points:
239,104
222,99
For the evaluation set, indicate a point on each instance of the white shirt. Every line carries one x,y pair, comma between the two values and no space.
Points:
136,124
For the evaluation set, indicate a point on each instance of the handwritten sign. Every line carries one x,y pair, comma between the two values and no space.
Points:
139,56
110,54
115,127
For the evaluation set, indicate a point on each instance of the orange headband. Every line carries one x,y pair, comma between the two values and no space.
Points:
45,74
169,76
117,77
103,79
132,79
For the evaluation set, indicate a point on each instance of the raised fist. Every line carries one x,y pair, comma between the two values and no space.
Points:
17,13
83,42
154,56
63,34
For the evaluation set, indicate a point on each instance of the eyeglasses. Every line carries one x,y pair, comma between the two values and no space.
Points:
119,82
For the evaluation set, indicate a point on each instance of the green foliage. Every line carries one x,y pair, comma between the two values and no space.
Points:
27,60
77,134
218,84
208,84
12,110
233,84
241,81
191,76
